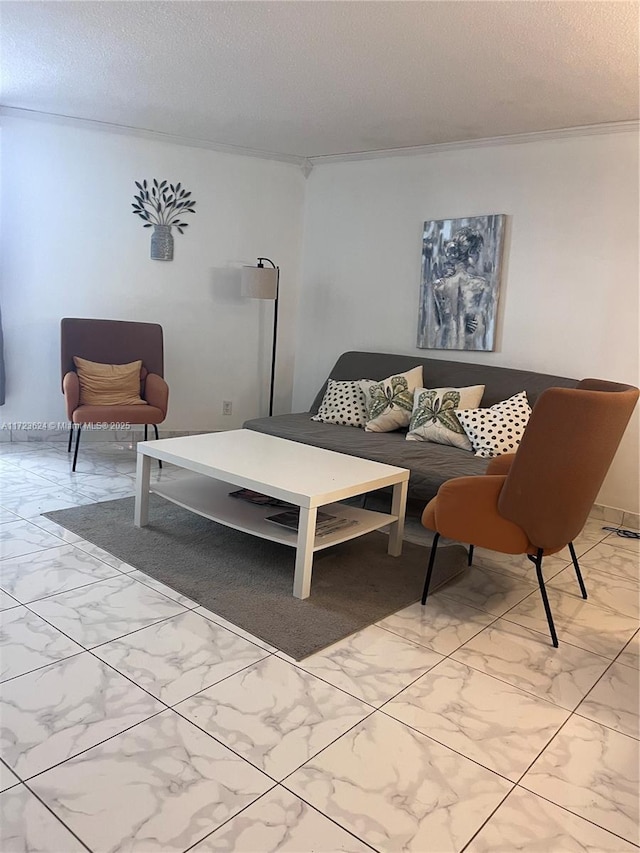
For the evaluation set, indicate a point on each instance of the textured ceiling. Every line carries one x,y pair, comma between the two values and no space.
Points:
319,78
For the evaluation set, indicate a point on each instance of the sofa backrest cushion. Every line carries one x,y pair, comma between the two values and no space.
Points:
500,382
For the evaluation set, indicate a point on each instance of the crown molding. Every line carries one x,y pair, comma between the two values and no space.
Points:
156,135
306,164
513,139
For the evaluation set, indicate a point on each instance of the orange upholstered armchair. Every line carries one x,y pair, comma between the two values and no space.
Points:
113,342
537,500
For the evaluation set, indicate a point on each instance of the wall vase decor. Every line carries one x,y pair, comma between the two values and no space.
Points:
461,268
162,243
162,205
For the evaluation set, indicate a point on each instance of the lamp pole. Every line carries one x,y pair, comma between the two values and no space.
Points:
275,330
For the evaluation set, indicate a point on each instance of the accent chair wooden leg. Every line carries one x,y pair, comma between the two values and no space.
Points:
70,438
470,557
432,560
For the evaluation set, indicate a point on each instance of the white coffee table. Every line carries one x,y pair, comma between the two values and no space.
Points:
308,477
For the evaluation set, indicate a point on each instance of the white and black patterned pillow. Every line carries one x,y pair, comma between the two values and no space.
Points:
390,402
343,404
499,429
434,414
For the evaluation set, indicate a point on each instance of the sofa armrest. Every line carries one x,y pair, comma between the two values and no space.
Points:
156,392
71,391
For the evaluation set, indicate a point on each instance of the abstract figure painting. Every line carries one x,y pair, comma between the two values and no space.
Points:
461,267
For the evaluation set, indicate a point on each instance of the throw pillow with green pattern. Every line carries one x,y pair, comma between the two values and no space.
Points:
390,402
434,418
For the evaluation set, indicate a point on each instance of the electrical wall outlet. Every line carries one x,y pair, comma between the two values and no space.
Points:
226,407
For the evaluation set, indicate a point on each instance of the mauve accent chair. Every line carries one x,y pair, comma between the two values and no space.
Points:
113,342
537,500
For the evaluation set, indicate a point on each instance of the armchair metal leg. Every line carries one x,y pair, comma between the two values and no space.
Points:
155,429
432,560
470,558
70,438
75,454
576,566
146,436
552,628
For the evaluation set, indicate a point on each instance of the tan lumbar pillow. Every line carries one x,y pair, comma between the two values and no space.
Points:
108,384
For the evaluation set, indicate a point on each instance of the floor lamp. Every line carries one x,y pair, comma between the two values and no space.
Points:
262,282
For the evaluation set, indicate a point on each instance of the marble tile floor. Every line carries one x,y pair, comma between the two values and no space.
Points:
132,719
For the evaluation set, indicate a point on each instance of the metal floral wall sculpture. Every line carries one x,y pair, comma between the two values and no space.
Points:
162,206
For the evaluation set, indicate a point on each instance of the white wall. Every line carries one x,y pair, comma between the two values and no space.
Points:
569,302
71,247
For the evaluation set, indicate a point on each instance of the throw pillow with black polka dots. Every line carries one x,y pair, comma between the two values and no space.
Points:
499,429
343,404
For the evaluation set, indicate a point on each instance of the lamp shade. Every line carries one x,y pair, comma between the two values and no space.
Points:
259,282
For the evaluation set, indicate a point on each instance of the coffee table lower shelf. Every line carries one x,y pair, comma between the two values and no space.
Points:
210,498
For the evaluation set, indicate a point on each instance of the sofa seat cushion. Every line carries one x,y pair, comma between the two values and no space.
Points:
430,464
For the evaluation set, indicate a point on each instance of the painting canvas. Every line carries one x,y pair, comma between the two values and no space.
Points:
461,267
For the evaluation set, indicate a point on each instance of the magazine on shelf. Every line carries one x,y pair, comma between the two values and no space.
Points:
257,498
325,523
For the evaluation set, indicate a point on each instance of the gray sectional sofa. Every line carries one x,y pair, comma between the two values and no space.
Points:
430,464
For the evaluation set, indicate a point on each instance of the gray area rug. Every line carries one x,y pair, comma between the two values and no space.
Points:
249,581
